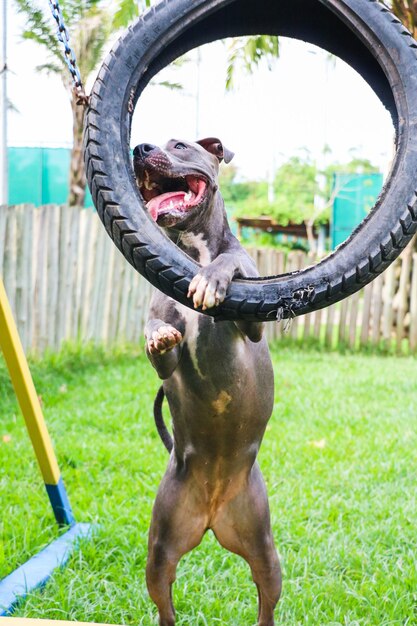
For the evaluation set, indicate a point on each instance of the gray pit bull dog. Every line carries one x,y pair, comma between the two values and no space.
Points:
218,381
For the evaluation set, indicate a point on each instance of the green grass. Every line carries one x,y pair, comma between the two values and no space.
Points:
339,458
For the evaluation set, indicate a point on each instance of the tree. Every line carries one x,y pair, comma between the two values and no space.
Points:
299,198
89,24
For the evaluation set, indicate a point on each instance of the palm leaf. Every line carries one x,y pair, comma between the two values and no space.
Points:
246,53
129,10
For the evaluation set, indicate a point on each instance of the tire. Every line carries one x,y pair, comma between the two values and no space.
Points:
363,33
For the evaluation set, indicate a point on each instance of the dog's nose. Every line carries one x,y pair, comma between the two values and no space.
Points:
143,150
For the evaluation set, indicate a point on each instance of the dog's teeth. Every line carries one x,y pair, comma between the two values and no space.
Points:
187,196
171,205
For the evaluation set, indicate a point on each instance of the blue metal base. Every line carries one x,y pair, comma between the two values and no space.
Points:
60,503
35,572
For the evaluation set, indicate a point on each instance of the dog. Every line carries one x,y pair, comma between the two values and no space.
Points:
217,378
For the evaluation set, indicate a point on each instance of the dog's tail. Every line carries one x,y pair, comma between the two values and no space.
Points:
159,420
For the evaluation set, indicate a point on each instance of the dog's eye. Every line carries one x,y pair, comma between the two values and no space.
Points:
180,146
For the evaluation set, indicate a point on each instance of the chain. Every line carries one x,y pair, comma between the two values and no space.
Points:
71,61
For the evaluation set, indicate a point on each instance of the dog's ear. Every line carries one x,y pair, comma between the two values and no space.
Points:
215,146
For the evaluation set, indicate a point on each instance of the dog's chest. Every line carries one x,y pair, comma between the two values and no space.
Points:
197,244
192,321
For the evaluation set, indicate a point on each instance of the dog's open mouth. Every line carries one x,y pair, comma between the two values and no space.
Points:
169,199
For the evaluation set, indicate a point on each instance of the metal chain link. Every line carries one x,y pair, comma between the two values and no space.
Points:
70,58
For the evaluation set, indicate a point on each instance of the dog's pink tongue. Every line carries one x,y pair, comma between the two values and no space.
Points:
170,200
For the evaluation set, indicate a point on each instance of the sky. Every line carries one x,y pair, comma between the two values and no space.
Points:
306,102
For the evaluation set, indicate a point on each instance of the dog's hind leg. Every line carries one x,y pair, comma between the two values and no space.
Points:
177,527
243,527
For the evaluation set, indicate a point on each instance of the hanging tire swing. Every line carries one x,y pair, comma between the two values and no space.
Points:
361,32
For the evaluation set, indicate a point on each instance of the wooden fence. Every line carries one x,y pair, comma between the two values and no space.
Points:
67,281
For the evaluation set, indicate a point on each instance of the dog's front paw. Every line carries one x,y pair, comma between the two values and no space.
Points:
163,339
208,289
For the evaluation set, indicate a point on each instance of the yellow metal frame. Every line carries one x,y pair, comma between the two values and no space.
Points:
36,571
20,375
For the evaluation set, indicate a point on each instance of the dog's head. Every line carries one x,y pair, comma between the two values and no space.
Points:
179,181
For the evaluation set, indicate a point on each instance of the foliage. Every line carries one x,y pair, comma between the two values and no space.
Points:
236,193
338,458
296,186
128,10
248,52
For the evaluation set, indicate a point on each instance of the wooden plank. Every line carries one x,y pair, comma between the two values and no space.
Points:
377,309
100,286
43,281
133,312
3,220
353,318
120,266
32,213
307,323
33,307
330,320
95,257
108,294
387,307
342,320
40,295
89,247
131,283
24,228
402,297
252,253
413,305
366,314
79,272
63,269
9,266
124,303
317,324
146,291
280,262
52,264
72,281
28,269
20,315
102,291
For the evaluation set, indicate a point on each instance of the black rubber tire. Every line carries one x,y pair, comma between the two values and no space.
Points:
363,33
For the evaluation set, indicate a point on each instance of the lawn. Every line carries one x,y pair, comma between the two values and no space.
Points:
339,458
